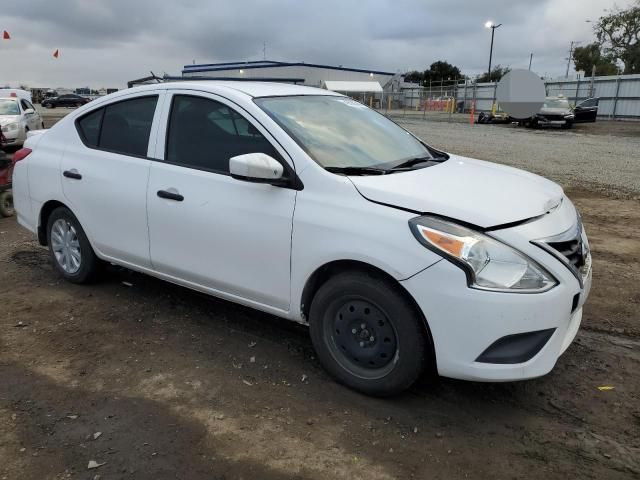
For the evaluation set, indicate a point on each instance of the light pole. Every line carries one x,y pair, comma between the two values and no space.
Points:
493,27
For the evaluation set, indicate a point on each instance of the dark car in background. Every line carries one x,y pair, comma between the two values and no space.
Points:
68,100
586,111
555,111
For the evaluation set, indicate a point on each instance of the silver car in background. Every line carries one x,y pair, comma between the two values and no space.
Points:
17,117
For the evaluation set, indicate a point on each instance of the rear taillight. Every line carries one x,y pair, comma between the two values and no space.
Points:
21,154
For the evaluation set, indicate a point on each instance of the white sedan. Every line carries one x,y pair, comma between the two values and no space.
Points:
17,117
308,205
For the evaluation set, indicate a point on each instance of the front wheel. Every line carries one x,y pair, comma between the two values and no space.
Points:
69,247
367,335
6,204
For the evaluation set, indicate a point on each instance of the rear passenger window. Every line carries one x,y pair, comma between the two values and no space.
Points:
122,127
126,126
89,127
205,134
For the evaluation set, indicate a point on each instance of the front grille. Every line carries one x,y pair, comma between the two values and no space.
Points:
553,117
572,250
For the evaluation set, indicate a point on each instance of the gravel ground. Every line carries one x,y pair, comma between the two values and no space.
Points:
577,158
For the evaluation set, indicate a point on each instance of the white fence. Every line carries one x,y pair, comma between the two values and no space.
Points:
619,95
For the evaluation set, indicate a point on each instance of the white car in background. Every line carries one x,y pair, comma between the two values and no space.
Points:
17,117
308,205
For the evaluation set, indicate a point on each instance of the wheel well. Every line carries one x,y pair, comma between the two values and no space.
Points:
45,212
325,272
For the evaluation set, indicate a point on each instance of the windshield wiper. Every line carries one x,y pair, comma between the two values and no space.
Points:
357,170
413,161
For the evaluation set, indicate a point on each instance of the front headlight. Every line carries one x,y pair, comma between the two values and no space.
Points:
488,263
10,127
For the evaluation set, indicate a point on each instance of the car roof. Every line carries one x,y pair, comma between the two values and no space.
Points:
252,89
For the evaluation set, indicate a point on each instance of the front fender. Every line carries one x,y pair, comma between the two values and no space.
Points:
341,225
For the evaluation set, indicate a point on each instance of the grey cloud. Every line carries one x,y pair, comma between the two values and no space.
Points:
109,42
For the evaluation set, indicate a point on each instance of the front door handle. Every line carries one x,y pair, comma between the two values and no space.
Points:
170,195
73,173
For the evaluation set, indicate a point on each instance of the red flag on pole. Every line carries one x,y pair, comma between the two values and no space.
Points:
6,35
56,54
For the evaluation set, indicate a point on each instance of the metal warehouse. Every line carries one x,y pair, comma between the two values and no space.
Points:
300,73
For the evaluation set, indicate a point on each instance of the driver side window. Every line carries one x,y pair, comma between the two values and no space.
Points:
205,134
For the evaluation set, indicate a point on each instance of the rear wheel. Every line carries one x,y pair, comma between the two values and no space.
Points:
69,247
367,335
6,204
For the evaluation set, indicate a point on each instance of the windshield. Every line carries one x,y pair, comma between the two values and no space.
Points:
340,132
9,107
556,103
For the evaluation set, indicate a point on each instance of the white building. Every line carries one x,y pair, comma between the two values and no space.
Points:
300,73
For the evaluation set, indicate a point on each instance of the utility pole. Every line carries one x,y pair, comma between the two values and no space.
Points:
530,59
264,50
571,48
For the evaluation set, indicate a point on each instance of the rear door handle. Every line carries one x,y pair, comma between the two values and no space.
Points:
72,174
170,195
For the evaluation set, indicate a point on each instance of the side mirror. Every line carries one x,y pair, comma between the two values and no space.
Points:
29,111
256,167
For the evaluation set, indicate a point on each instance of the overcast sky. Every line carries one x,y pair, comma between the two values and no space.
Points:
104,43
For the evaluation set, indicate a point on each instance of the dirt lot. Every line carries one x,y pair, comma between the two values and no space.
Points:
180,385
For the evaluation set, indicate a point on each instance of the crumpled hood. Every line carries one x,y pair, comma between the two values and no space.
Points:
555,111
6,119
473,191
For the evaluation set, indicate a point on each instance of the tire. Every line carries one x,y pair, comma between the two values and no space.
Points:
367,335
76,269
6,204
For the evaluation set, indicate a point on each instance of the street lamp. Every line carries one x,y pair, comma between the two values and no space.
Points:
493,27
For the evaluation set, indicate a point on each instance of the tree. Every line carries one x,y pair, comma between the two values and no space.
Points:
436,73
496,74
632,59
441,70
586,57
619,36
414,77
